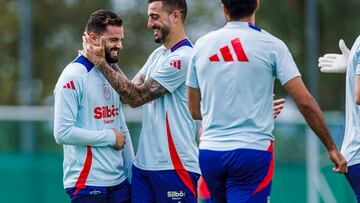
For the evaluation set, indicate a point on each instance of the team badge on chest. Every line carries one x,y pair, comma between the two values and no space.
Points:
107,91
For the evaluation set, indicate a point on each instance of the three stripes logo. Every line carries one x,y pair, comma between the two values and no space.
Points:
176,64
227,55
69,85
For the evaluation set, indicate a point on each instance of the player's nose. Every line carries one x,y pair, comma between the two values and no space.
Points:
150,23
119,45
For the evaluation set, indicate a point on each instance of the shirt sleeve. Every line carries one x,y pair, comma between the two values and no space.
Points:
172,73
67,103
285,67
192,80
145,68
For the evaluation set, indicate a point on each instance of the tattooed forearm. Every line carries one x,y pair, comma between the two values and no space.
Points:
118,69
132,94
139,79
145,93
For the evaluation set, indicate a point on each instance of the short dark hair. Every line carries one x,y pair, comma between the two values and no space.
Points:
171,5
239,8
100,19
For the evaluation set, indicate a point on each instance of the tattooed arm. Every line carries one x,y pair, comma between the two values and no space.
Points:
134,93
138,80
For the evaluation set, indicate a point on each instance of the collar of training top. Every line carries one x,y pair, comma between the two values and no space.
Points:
85,62
184,42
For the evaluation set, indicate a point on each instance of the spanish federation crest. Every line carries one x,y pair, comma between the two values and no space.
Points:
107,91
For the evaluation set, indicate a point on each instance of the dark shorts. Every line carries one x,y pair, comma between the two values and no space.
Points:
241,176
93,194
353,176
163,186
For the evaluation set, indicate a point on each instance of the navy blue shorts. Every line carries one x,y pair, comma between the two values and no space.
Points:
241,176
163,186
353,176
93,194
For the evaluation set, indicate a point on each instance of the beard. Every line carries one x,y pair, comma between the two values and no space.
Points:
164,33
108,56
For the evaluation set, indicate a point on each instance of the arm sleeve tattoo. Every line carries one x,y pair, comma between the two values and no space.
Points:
134,93
139,79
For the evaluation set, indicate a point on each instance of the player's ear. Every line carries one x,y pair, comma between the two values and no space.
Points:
94,39
257,5
177,16
226,12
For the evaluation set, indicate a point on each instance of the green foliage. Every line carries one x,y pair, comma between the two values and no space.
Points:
57,26
338,20
8,51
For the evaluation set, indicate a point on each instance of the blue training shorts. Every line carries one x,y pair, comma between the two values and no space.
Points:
163,186
93,194
353,176
241,176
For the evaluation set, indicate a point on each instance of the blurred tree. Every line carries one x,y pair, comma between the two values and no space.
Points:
9,30
285,20
338,20
58,26
57,30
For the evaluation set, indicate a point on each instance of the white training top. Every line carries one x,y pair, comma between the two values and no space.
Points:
168,134
86,109
235,68
351,144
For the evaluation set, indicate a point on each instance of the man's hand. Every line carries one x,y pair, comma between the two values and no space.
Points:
95,54
340,164
335,63
278,106
119,139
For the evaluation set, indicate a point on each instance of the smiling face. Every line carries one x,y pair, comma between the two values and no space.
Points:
160,21
113,41
114,36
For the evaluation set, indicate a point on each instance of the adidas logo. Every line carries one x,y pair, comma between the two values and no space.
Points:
69,85
176,64
227,55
